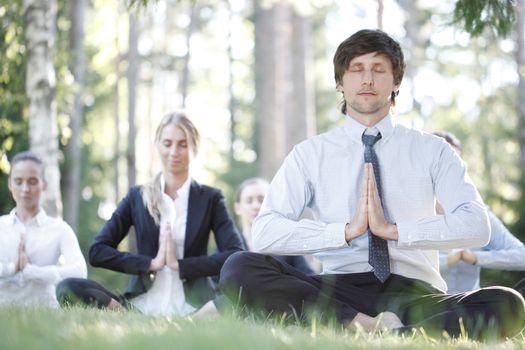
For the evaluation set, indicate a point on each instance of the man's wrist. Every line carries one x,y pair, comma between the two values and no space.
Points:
348,239
351,233
391,232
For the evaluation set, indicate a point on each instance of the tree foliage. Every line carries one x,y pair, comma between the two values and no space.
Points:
477,15
139,3
13,102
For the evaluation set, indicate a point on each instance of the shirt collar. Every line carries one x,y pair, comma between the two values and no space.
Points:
39,218
355,130
182,192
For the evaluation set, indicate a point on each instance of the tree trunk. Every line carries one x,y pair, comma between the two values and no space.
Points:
520,59
284,91
301,123
414,49
185,81
231,82
132,75
40,22
380,8
74,146
116,114
273,65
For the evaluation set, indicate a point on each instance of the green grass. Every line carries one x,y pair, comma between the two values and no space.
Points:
76,328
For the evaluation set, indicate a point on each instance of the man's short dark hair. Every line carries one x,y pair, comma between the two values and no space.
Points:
367,41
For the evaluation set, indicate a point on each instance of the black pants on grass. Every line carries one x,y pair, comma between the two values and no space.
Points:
85,292
81,291
260,282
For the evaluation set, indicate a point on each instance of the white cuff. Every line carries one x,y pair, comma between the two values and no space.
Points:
407,232
7,269
335,235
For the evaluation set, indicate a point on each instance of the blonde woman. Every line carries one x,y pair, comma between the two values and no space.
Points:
173,217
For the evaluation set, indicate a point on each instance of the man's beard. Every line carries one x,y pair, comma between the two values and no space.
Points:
368,108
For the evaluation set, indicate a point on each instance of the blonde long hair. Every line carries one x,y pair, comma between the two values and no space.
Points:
151,194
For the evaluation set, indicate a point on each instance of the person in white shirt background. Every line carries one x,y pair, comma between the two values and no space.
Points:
391,203
173,217
461,267
36,251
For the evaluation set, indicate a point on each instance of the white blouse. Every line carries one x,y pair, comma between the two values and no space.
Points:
53,254
166,295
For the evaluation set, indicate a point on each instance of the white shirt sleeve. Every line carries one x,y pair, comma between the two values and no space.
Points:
9,243
504,251
74,263
465,222
278,229
7,269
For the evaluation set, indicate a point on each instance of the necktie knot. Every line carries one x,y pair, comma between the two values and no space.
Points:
370,140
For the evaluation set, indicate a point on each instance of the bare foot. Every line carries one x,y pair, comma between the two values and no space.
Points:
115,306
384,321
388,320
207,311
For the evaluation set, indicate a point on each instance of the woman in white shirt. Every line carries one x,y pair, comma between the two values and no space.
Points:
173,217
36,250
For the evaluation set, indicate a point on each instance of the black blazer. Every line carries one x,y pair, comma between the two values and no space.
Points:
206,212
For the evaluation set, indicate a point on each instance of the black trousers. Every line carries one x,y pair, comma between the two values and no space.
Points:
85,292
81,291
261,282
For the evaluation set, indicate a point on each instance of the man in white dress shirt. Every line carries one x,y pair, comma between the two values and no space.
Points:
390,202
36,250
